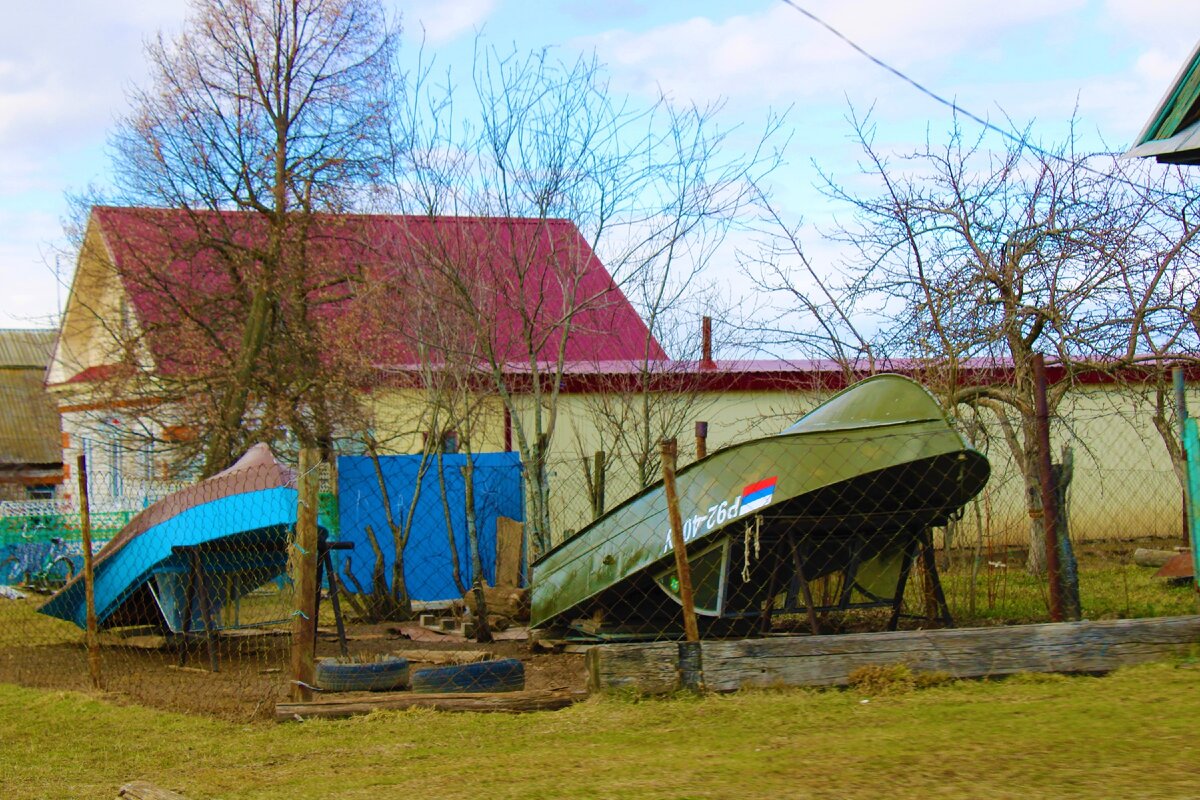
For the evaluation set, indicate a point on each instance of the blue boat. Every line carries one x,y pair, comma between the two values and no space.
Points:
181,559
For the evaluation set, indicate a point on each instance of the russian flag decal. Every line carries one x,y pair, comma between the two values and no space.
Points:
757,495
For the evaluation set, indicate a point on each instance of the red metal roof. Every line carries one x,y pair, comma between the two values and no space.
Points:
377,286
100,372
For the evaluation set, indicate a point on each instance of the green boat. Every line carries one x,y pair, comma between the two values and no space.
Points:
830,514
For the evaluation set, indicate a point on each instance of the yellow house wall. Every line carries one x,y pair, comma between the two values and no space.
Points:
94,316
1124,485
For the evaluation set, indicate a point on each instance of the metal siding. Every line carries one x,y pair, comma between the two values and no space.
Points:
30,431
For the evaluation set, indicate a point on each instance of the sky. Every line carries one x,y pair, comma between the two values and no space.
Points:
65,68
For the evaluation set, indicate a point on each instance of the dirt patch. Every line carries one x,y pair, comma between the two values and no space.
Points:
252,670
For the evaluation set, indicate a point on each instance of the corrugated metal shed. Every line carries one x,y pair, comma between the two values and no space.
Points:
30,430
31,349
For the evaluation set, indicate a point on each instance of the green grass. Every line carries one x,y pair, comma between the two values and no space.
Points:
1131,734
1110,587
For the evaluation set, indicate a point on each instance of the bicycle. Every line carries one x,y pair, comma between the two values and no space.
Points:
44,573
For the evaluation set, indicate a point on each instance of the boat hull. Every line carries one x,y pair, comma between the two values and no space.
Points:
254,525
862,477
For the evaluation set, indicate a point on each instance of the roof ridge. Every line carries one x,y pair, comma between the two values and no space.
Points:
346,215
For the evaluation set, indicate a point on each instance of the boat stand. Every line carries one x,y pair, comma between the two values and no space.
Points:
800,598
921,547
195,591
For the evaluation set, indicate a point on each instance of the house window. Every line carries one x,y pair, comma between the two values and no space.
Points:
447,443
115,483
40,492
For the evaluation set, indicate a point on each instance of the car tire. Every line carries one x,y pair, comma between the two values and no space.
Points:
386,674
502,675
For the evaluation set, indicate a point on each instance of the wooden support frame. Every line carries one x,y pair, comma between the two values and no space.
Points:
1087,646
195,592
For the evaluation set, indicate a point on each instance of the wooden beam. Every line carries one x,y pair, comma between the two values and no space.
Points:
140,790
964,653
510,535
349,704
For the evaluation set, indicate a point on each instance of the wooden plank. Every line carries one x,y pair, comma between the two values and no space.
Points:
964,653
141,790
351,704
510,534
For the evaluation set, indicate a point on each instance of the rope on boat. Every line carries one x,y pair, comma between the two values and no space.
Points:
746,534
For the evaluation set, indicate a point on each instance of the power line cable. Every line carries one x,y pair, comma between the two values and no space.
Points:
1020,140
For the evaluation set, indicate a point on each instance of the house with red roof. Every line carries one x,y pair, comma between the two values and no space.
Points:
161,295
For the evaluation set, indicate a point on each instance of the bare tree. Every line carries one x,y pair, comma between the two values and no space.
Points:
258,118
967,255
645,189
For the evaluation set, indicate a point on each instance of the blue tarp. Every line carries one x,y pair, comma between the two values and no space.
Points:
428,564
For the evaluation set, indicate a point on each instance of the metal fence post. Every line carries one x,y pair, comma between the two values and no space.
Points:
85,527
303,569
1181,415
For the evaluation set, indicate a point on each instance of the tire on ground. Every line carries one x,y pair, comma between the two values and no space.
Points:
503,675
389,672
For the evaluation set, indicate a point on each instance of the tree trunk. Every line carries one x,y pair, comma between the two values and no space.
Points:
1035,563
483,632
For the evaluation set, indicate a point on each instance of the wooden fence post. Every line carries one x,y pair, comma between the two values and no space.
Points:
690,667
701,440
598,487
89,582
303,569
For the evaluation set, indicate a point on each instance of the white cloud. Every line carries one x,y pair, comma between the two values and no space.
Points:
441,20
65,66
779,54
31,292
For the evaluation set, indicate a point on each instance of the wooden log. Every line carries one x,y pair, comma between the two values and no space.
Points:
510,535
141,790
505,601
963,653
1145,557
347,705
445,656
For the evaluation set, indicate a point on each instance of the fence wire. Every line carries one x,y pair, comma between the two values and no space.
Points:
426,580
863,552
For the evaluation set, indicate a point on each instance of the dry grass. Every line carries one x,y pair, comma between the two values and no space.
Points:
1130,734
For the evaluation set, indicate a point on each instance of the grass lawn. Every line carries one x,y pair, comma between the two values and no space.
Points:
1129,734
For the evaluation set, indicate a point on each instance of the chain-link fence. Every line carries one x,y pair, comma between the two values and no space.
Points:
852,543
872,512
201,600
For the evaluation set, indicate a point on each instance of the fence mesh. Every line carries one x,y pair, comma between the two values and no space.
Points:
842,529
873,554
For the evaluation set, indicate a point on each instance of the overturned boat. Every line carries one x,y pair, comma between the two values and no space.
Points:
830,514
178,562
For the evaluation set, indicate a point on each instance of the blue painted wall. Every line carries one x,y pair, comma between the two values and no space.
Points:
428,565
